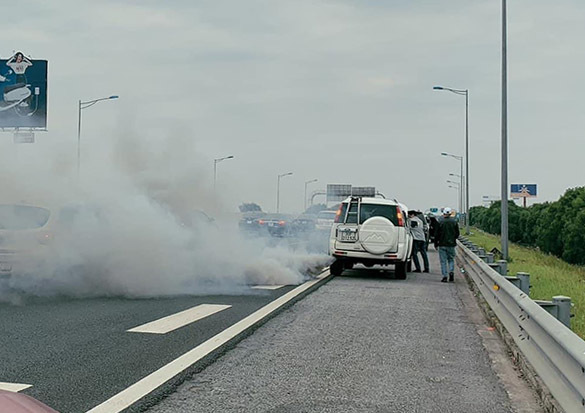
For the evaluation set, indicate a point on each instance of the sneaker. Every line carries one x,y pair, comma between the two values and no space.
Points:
427,270
444,279
451,277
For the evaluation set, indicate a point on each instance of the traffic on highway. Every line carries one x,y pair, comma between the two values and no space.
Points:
291,206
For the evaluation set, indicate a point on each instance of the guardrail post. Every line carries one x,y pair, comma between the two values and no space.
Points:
483,258
481,251
490,257
563,309
503,267
524,278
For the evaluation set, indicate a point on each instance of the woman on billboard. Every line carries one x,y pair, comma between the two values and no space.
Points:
19,63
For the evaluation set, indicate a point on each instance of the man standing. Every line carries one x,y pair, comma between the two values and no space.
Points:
446,235
419,241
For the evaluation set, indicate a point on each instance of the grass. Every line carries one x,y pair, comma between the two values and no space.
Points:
549,275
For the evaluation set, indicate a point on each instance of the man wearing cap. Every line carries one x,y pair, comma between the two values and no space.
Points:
446,235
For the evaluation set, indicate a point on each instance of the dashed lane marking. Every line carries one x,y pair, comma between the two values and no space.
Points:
172,322
14,387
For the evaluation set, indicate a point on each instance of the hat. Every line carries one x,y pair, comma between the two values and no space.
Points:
447,211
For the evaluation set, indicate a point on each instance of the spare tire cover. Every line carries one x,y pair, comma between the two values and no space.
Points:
378,235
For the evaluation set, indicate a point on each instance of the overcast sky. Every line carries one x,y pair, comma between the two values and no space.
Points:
337,90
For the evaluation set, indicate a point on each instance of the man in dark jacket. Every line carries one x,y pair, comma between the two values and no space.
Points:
446,235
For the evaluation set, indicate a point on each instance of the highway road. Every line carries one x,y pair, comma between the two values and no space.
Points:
75,354
366,343
360,342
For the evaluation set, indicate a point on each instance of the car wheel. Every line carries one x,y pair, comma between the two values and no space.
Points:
400,270
336,268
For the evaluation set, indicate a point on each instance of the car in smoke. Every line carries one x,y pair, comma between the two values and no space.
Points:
24,229
371,231
28,232
249,222
325,220
303,224
276,225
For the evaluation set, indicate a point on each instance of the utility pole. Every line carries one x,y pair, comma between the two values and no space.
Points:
504,202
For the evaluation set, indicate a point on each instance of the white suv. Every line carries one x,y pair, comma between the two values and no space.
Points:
370,231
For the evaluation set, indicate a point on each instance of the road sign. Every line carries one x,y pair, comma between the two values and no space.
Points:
368,191
523,191
338,192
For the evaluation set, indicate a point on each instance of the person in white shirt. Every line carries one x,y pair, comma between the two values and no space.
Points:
419,244
19,63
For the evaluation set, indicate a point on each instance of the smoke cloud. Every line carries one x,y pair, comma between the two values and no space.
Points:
133,224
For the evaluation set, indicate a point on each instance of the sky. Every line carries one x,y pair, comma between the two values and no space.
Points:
334,90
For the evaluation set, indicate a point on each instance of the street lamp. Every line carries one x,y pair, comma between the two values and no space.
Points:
307,183
458,194
215,162
85,105
463,179
459,199
461,184
278,190
463,92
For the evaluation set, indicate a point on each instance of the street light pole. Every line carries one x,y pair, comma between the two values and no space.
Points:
464,92
460,159
458,194
461,186
504,189
84,105
278,190
215,162
459,198
307,183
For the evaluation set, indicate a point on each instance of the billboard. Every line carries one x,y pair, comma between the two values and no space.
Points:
523,191
337,192
23,93
368,191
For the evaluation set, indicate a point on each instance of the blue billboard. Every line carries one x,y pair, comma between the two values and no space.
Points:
523,191
23,93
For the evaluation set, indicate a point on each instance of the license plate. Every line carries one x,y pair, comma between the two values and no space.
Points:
5,267
349,236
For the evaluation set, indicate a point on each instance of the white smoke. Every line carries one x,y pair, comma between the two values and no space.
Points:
133,232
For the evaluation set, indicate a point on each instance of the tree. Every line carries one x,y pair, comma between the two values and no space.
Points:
250,207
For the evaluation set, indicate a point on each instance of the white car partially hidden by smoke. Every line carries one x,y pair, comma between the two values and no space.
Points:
370,231
24,230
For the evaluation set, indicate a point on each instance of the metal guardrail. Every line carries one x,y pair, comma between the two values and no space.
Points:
555,352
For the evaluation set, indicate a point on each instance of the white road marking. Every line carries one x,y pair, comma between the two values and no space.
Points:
267,287
14,387
138,390
178,320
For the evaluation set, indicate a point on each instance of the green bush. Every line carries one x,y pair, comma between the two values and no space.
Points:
557,227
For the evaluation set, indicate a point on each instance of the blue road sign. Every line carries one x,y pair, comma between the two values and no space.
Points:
523,191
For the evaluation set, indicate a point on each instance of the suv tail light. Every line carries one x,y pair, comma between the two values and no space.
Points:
400,218
338,214
281,223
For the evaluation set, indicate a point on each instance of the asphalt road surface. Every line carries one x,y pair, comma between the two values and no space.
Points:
365,343
75,354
